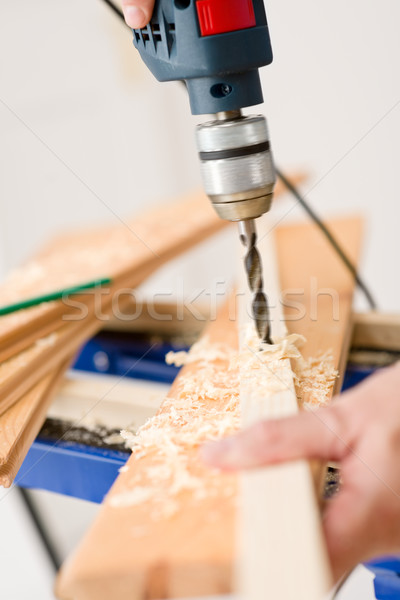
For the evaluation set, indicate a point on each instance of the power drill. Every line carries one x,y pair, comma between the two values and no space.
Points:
216,47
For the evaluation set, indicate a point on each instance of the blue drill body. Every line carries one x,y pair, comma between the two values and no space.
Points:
216,47
220,69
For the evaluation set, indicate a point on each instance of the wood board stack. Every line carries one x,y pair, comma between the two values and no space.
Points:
168,526
37,344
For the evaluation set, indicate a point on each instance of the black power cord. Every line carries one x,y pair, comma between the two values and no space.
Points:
330,237
115,9
310,211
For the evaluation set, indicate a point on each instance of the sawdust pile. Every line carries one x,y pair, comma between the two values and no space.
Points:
204,405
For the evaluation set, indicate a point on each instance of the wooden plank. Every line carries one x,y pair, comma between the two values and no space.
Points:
19,374
132,551
27,339
317,292
317,289
279,520
376,331
28,430
15,420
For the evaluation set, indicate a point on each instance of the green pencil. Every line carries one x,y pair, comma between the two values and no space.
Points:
57,295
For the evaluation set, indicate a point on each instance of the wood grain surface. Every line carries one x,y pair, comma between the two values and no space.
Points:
279,523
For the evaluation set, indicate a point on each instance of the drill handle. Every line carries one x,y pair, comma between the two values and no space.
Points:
216,46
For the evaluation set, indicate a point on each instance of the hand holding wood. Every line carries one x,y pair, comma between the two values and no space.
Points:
361,431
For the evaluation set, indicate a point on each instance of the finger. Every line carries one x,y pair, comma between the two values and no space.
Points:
362,521
315,434
344,527
137,13
352,523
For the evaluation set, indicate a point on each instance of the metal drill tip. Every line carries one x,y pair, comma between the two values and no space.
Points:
261,317
253,266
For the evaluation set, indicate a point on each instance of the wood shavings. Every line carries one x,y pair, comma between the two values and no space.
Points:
314,379
176,358
114,438
205,406
255,356
200,351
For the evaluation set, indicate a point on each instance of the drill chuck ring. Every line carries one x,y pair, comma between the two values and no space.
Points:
236,166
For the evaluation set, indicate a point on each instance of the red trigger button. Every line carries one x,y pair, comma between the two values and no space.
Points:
221,16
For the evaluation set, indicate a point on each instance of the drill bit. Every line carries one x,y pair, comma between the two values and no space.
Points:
253,266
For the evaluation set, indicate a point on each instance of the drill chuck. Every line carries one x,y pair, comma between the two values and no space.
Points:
236,165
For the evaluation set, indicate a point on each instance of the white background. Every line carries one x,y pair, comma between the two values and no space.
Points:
87,134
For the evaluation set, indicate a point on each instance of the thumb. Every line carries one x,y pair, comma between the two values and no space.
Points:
319,433
137,13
